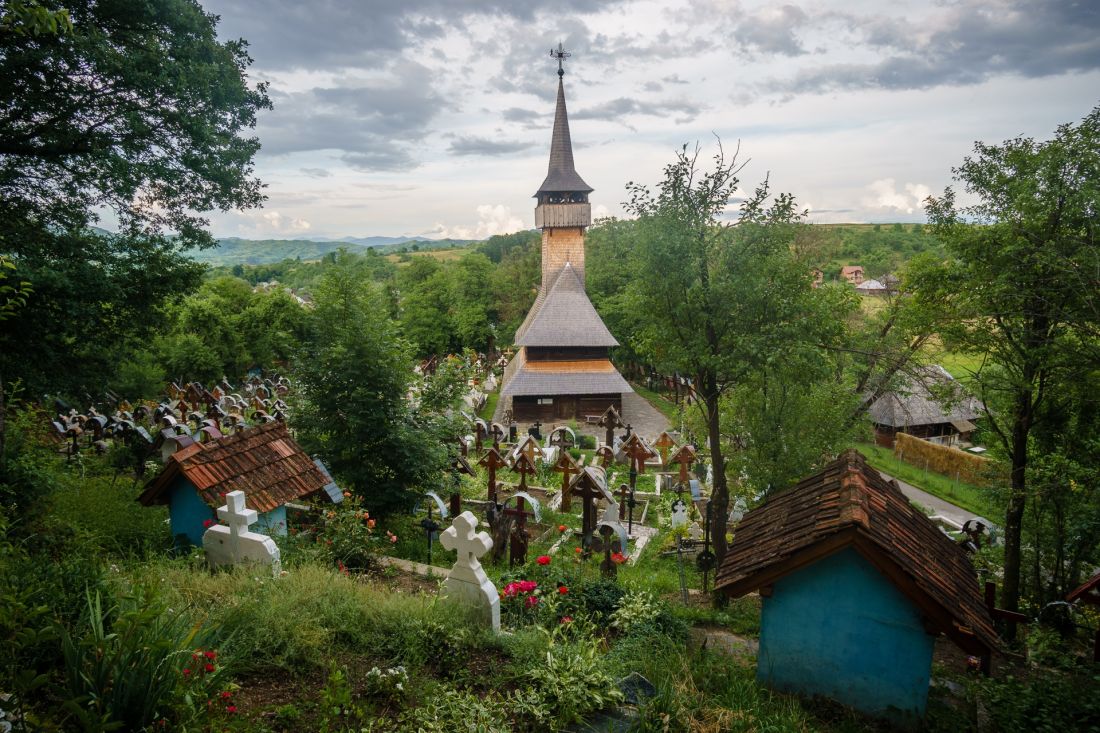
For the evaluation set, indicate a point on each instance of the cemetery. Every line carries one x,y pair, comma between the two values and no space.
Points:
594,476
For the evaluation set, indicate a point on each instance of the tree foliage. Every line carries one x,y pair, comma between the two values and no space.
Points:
1021,286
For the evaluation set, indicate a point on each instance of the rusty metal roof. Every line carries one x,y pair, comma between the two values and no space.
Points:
561,176
564,317
264,462
849,504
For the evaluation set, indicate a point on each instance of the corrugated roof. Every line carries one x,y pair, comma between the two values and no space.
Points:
264,462
561,176
849,504
564,317
574,377
915,404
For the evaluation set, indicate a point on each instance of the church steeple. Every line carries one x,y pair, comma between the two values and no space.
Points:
561,176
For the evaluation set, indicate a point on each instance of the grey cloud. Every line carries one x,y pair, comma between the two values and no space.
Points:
319,34
374,125
316,172
616,109
518,114
674,79
969,44
652,86
473,145
772,31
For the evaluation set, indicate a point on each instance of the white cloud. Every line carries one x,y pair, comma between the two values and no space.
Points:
491,219
884,194
267,223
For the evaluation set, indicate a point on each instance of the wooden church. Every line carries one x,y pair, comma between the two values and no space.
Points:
562,369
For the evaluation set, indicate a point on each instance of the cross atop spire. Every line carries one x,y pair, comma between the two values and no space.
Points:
560,54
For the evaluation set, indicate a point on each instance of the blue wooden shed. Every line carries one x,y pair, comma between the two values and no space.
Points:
264,462
856,584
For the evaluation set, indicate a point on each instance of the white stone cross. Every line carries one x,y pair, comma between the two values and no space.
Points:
234,544
679,513
467,581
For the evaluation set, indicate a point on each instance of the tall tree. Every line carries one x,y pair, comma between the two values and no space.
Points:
1023,286
729,298
133,107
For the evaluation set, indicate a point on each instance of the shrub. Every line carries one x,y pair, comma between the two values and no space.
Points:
453,710
1042,704
573,682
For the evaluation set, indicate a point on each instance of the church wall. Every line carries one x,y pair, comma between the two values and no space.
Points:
561,245
565,353
563,407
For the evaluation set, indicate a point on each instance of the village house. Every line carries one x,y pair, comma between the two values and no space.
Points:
871,287
264,462
930,404
856,584
852,273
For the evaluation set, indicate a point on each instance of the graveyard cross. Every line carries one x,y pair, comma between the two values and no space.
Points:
705,559
684,458
609,421
606,455
492,460
237,517
534,431
566,466
517,551
664,443
467,543
639,453
586,488
479,436
458,466
607,566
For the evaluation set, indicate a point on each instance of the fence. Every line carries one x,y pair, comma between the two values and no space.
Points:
950,462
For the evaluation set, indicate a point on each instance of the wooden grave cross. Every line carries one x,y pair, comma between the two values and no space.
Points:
588,488
606,454
639,453
492,460
684,458
459,466
566,466
664,444
517,551
609,421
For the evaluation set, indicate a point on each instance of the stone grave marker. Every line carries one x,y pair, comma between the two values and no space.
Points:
467,581
679,513
232,544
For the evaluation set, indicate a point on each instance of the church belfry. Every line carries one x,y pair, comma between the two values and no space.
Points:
562,369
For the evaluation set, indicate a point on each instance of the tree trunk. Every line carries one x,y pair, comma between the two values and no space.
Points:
720,498
1014,515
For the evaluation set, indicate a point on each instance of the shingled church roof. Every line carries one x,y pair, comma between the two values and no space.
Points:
264,462
561,175
571,377
929,397
564,316
849,504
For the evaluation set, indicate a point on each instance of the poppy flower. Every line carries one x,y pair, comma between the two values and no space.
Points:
543,560
618,558
562,528
562,590
577,550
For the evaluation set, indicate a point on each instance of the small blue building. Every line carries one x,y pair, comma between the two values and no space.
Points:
856,584
264,462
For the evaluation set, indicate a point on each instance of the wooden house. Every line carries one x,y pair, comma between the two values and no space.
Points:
264,462
856,584
930,404
563,368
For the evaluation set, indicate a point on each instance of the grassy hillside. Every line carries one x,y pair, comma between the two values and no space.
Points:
879,248
236,251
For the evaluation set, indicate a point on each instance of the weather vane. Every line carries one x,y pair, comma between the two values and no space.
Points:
560,54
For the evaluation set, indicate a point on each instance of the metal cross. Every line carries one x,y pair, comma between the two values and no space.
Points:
560,54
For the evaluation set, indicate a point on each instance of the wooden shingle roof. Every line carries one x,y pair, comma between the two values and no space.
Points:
561,175
264,462
566,377
929,397
564,317
849,504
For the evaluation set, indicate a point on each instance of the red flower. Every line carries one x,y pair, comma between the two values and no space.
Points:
543,560
211,655
186,672
230,708
562,528
209,667
562,590
526,586
208,523
226,695
618,558
532,601
577,550
567,619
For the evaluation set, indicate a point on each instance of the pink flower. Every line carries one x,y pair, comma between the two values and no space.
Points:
526,586
543,560
532,601
567,619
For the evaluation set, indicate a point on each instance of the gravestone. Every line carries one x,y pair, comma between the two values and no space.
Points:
467,581
679,513
232,544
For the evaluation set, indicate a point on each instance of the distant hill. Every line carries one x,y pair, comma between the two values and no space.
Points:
237,251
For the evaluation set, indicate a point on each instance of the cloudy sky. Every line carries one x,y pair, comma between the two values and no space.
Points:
432,117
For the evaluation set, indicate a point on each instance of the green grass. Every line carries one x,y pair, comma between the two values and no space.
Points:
960,365
486,412
960,493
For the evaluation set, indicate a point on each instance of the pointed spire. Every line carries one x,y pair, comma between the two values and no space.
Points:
561,176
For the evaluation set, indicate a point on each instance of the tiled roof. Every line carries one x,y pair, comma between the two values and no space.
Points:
264,462
849,504
561,176
574,377
915,402
564,317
